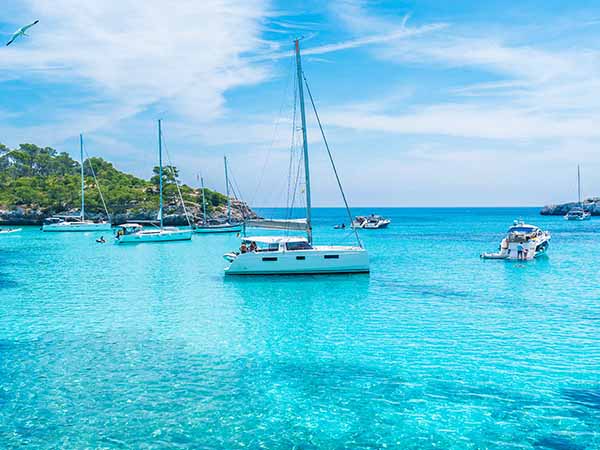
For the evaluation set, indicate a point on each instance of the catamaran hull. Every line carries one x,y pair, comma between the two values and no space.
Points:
138,238
65,227
219,229
300,262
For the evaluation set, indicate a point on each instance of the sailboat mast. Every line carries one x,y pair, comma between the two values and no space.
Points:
304,142
82,180
160,177
203,202
227,190
578,185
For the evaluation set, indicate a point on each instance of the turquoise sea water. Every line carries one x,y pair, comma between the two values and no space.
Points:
149,346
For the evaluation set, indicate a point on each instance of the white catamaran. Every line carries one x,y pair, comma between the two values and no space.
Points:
578,213
79,223
134,233
263,255
227,227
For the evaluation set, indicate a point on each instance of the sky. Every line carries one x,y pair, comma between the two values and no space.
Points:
424,103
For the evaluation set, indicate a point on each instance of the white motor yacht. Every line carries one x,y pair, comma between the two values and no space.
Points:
79,223
372,222
522,242
297,254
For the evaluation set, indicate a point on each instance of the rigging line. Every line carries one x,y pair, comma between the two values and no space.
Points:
331,159
292,144
97,182
274,137
237,192
187,217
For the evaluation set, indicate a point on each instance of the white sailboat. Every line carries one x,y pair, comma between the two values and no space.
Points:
578,213
79,223
226,227
135,233
294,255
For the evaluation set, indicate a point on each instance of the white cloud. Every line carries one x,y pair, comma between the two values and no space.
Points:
134,55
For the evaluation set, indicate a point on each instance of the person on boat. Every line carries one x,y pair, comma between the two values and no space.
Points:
504,246
243,248
520,251
253,246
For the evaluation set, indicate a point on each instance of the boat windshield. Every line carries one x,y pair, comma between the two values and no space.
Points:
522,229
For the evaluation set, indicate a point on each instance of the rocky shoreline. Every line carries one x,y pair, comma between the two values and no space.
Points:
174,216
591,204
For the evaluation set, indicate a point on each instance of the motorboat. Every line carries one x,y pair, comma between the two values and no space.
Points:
9,230
209,226
372,222
267,255
61,223
578,212
135,233
522,242
290,254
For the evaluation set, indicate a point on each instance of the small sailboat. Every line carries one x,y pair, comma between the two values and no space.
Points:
296,255
134,233
79,223
226,227
578,212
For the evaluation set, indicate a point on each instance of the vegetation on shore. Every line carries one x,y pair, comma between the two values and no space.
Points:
43,179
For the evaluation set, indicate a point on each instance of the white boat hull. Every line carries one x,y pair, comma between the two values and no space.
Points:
318,260
218,229
579,218
12,230
157,235
77,226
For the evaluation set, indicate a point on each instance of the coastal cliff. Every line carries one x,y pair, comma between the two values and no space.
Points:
591,205
37,183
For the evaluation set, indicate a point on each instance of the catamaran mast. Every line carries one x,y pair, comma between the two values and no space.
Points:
578,186
160,179
304,142
203,202
82,181
227,190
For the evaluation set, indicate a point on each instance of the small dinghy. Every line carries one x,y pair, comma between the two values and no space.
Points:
10,230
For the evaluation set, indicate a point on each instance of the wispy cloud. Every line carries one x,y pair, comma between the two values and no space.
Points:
134,55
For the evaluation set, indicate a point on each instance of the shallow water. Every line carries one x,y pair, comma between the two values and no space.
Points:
149,346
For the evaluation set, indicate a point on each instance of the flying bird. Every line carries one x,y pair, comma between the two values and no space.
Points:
21,32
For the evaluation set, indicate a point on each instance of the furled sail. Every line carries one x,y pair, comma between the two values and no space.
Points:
275,224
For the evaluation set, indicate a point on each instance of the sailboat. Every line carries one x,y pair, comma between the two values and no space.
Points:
133,233
78,223
577,212
295,255
227,227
